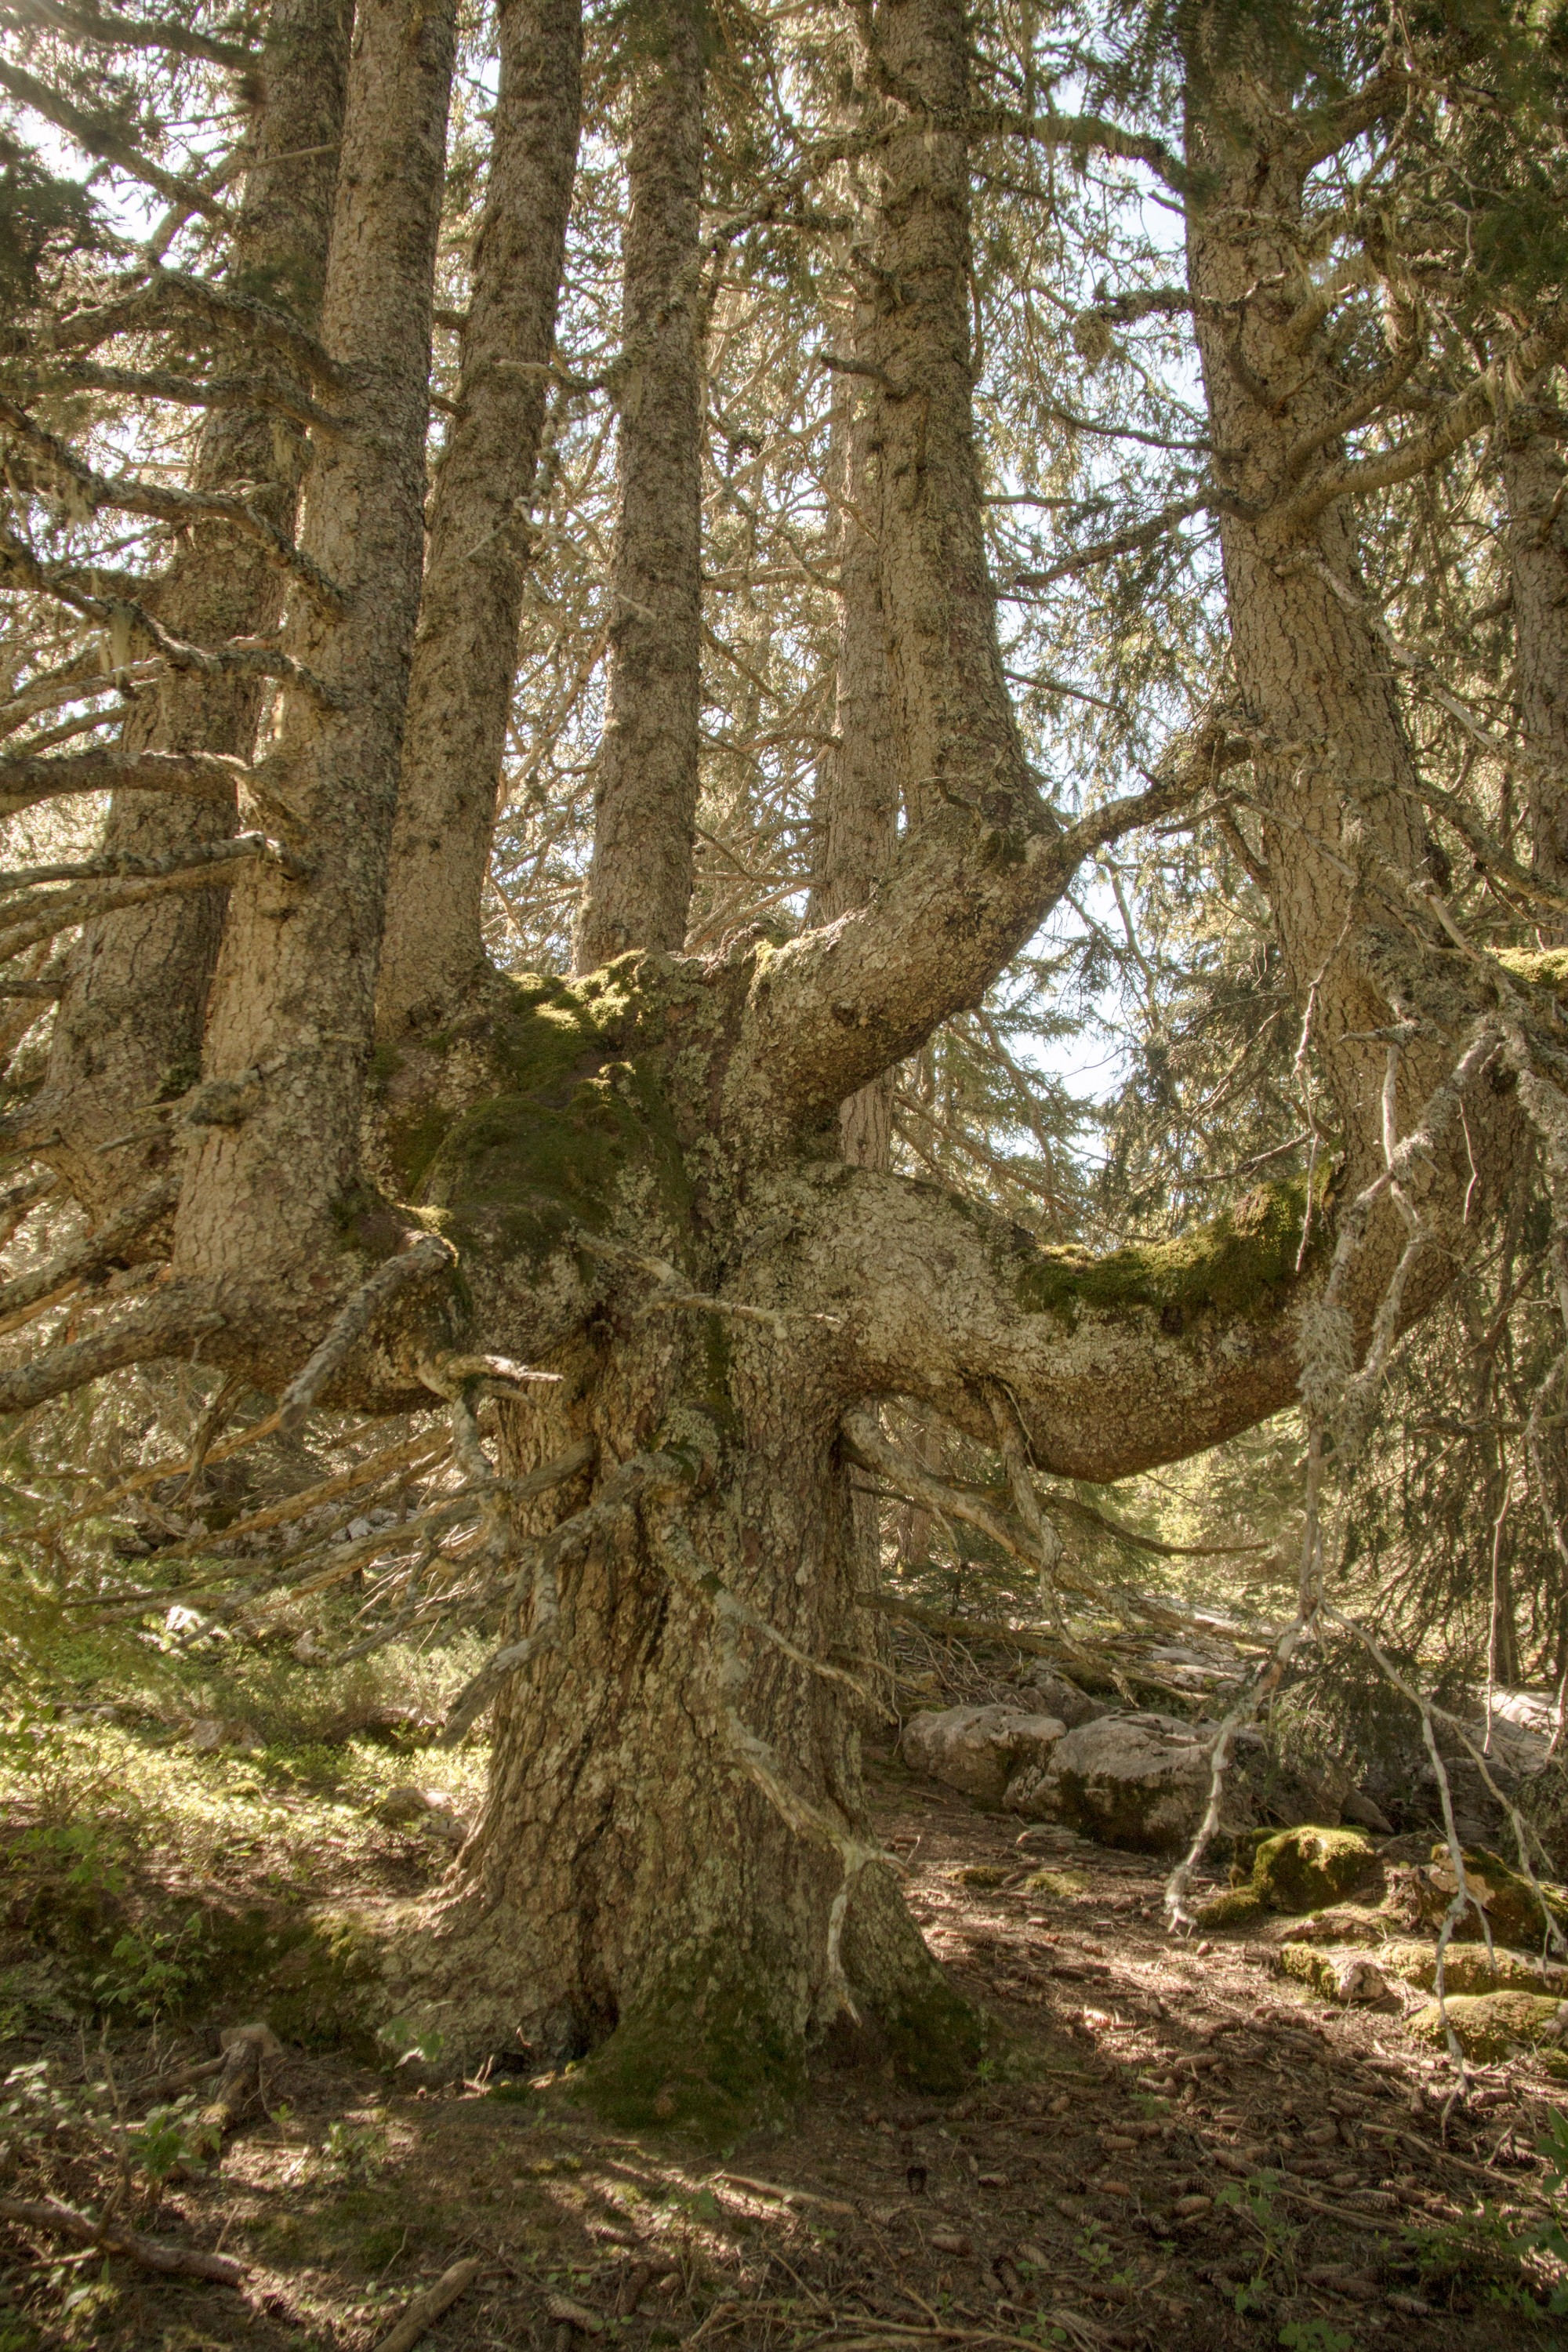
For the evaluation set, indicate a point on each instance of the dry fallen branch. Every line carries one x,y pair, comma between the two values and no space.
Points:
425,2309
115,2238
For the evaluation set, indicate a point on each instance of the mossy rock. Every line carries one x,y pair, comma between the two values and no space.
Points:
1492,2024
1513,1910
982,1873
1336,1922
1302,1869
1470,1968
1239,1906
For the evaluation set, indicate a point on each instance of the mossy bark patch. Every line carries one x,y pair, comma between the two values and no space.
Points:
1470,1968
1239,1262
705,2053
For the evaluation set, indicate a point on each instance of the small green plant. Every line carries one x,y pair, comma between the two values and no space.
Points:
167,2141
357,2147
152,1969
1314,2336
1254,2202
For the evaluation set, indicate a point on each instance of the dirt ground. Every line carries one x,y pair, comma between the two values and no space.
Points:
1172,2147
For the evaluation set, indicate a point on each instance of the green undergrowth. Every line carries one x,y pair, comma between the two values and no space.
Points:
140,1880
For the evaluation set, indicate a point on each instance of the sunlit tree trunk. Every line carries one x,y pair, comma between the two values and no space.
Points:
129,1027
465,655
291,1022
1535,487
645,794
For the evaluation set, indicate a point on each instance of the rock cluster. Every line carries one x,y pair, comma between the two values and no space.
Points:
1128,1778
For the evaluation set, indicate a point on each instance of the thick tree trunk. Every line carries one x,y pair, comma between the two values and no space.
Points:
291,1022
1534,477
128,1026
673,1868
465,656
644,796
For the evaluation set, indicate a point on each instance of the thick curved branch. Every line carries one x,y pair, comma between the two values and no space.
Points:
1471,411
831,1009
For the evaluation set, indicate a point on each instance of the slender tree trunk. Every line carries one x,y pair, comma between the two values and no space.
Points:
291,1021
128,1026
1535,488
639,883
858,793
1333,764
465,656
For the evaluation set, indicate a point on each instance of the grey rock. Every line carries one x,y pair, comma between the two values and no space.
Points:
1053,1692
1139,1782
977,1749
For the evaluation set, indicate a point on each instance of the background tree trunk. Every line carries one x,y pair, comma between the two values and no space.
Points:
1534,480
858,796
293,1000
645,799
128,1026
465,656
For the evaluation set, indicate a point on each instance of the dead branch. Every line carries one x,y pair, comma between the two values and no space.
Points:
115,32
87,1255
194,775
425,2309
232,314
115,2238
200,869
428,1257
218,391
178,1315
163,503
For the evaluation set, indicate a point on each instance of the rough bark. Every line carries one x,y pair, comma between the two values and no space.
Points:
293,997
645,794
465,655
857,813
128,1026
1333,766
1534,476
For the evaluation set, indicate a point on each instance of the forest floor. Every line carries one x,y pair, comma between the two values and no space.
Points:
1171,2147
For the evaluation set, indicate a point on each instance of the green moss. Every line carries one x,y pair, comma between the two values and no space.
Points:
1490,2025
703,2052
1302,1868
530,1164
1308,1967
1467,1967
1547,968
1239,1906
1060,1883
1239,1262
982,1873
1513,1911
